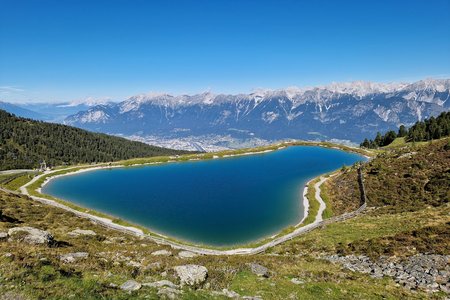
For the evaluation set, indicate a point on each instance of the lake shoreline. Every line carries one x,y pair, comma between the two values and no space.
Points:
303,199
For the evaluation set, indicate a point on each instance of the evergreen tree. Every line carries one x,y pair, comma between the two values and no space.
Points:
24,143
402,132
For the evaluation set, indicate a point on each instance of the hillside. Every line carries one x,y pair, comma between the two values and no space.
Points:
397,249
24,143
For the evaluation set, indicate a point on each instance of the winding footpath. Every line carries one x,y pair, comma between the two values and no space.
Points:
196,249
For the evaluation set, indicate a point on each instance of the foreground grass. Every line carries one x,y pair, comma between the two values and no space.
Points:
35,272
402,227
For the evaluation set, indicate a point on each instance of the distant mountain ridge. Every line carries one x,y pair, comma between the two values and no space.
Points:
348,111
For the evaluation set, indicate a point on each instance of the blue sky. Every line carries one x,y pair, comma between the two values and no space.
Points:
64,50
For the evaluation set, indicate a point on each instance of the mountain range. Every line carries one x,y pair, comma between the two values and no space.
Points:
340,112
345,111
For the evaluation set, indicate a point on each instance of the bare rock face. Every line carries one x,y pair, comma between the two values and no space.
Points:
130,285
78,232
191,274
30,235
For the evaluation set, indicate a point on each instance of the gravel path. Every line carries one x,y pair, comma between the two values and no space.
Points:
199,250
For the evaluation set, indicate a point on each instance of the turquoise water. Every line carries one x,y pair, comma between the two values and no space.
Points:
219,202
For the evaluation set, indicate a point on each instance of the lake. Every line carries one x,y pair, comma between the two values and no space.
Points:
220,202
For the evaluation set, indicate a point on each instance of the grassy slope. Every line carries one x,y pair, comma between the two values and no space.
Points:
36,272
409,211
402,227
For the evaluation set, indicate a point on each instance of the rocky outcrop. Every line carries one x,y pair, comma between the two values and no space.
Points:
30,235
427,272
192,275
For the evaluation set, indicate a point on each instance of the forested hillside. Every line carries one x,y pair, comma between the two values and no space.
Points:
24,143
426,130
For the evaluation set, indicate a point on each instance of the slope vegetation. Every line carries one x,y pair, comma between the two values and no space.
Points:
24,143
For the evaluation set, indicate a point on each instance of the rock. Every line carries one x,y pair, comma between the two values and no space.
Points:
259,270
187,254
3,235
169,293
161,283
191,274
78,232
72,257
130,285
230,294
30,235
162,253
297,281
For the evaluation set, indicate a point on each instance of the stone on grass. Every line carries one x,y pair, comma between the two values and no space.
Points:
3,235
259,270
130,285
162,253
230,294
78,232
30,235
187,254
297,281
161,283
191,274
134,264
72,257
169,293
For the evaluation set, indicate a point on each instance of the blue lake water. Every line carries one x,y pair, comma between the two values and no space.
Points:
219,202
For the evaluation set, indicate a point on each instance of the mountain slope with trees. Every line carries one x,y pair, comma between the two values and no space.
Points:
24,143
426,130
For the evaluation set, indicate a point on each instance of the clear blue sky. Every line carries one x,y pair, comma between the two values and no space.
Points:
64,50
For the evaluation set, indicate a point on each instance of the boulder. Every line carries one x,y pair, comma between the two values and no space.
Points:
191,274
30,235
72,257
130,285
187,254
162,253
78,232
259,270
